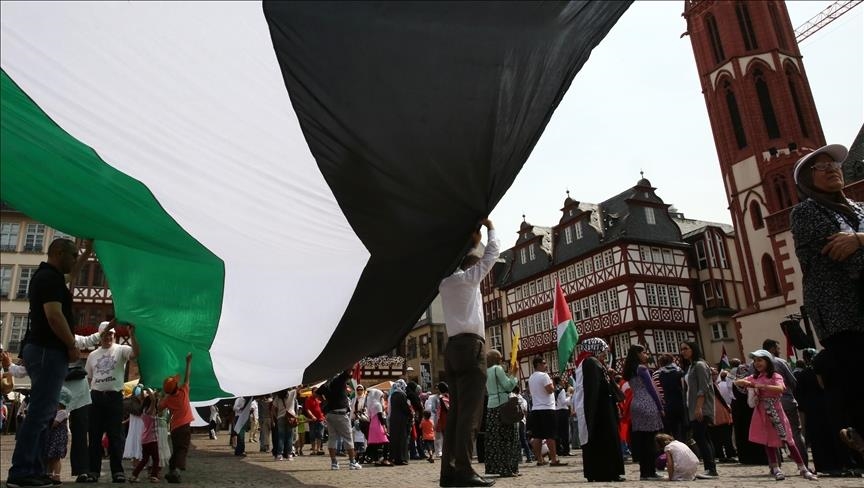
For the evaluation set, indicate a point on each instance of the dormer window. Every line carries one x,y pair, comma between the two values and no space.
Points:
578,228
568,235
649,216
531,252
523,258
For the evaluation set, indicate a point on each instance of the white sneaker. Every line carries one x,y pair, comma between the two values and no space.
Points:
334,465
354,465
807,474
280,458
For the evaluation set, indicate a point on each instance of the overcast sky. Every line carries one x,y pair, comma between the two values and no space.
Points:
637,104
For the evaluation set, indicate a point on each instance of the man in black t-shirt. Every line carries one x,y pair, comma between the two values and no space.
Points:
49,345
339,419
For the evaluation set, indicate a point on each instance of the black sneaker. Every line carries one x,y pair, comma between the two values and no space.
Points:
172,478
29,482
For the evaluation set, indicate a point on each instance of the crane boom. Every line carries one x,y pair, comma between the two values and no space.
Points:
823,18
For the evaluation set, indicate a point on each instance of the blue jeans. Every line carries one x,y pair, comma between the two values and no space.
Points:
47,369
284,437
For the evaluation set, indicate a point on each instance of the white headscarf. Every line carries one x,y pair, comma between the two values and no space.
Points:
374,406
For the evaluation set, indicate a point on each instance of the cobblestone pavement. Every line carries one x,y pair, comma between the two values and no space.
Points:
212,464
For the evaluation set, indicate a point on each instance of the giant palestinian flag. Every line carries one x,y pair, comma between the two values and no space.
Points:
277,188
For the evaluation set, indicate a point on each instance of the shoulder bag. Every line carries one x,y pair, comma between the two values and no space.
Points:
510,410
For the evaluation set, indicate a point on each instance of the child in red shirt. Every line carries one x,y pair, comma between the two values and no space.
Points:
177,402
427,428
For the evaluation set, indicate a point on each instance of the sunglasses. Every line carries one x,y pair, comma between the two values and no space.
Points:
827,166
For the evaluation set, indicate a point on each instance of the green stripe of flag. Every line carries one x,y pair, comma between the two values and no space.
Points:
161,278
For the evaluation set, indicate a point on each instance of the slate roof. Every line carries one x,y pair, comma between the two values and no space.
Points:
853,167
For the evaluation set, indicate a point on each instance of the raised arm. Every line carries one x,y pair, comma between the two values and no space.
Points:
188,368
80,262
136,349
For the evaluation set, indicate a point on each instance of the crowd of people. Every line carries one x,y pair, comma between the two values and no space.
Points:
671,417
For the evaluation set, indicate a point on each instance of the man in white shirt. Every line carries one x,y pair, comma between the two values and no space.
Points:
465,360
106,367
542,422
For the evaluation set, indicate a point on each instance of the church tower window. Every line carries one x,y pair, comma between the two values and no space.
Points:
746,26
714,35
756,215
735,116
769,272
765,105
778,28
796,94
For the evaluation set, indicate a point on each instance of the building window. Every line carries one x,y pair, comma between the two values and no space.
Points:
667,257
531,252
598,262
588,268
735,116
578,228
772,284
523,256
568,235
586,308
570,273
756,215
493,338
781,191
768,115
714,36
576,311
595,308
649,216
24,275
719,294
613,299
645,253
651,291
701,259
580,269
9,236
721,250
746,26
778,26
532,288
604,302
34,238
663,296
656,255
20,322
59,234
708,293
719,331
796,100
5,281
608,258
546,283
412,348
674,297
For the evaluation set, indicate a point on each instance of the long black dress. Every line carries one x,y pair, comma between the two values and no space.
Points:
748,452
601,456
400,427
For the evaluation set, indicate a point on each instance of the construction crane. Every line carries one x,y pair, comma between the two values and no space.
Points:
823,18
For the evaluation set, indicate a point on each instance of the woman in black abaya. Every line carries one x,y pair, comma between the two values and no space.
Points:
594,401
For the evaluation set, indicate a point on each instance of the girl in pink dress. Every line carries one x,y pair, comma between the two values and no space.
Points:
769,426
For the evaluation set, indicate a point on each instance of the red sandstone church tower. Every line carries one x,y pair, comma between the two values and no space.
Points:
763,119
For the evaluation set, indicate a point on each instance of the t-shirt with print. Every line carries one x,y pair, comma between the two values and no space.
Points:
106,367
540,398
178,405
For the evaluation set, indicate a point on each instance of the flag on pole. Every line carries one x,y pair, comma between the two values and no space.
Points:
568,336
514,350
724,359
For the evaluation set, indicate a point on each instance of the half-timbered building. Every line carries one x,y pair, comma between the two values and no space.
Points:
628,273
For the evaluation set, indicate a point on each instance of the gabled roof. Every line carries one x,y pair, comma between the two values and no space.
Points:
691,227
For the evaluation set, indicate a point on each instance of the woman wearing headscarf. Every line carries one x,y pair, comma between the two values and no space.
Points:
594,403
502,439
379,444
828,229
399,416
415,441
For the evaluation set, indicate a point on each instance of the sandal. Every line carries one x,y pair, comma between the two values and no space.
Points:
118,478
542,463
86,478
558,463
